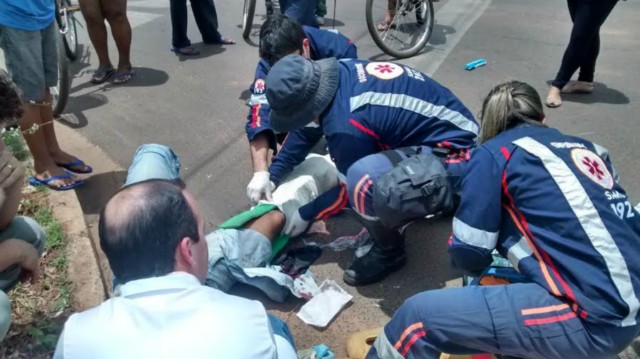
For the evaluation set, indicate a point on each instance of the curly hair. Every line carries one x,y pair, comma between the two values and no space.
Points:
10,103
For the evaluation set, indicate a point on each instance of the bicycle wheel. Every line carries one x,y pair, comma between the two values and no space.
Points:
400,28
60,92
248,11
71,34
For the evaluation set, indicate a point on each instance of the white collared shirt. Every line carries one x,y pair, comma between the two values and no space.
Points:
173,316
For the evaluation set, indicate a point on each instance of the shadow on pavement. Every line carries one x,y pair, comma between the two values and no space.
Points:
440,33
245,95
74,116
98,189
384,57
601,94
206,50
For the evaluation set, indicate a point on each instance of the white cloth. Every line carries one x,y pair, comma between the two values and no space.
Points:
173,316
314,176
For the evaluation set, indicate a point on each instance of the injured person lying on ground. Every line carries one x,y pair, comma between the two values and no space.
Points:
241,249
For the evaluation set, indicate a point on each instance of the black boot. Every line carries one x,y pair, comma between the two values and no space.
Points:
385,256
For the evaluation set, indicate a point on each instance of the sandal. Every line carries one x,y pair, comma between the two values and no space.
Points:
73,166
123,77
186,51
102,75
36,182
552,104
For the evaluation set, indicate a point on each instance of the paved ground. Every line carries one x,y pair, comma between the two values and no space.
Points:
196,106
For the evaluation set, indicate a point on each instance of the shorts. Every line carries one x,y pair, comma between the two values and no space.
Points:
32,59
232,250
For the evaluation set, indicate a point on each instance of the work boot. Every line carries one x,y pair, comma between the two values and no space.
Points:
385,256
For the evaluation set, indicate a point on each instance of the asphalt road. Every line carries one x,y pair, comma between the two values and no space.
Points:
196,106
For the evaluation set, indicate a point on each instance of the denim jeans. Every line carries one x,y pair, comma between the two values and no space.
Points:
153,161
303,11
204,11
281,328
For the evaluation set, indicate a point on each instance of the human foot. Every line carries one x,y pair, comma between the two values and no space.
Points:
578,87
102,74
55,178
553,97
123,75
70,163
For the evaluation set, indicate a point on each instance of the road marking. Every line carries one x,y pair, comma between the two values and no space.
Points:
458,14
137,18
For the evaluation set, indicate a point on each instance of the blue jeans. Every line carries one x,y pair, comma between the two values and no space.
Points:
153,161
281,328
303,11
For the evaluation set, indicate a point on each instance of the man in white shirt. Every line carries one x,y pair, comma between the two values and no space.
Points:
152,234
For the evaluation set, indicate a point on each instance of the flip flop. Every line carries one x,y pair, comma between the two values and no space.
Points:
186,51
77,163
100,76
35,182
123,77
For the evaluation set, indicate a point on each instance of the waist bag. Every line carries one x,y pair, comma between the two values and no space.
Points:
417,186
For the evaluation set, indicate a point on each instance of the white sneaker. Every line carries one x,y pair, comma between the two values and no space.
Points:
320,20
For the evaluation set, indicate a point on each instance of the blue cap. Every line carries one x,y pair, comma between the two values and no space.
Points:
298,90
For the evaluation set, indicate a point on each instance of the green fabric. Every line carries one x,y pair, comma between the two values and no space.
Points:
239,220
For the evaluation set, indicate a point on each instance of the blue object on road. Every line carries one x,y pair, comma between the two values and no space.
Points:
474,64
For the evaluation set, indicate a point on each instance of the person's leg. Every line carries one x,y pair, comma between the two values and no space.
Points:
28,230
587,18
204,11
281,328
115,11
5,315
601,10
321,11
302,11
94,18
153,161
179,18
517,320
25,61
269,225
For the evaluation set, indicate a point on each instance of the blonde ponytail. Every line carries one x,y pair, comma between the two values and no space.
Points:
508,105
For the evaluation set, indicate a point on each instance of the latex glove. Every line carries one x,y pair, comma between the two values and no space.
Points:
260,185
296,225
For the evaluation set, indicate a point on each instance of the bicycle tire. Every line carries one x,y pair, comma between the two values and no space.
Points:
61,96
71,37
248,11
404,53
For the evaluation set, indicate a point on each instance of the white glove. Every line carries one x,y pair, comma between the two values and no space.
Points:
295,225
260,185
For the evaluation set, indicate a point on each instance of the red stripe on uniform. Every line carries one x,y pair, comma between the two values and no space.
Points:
414,338
363,195
505,153
369,132
549,320
336,206
255,116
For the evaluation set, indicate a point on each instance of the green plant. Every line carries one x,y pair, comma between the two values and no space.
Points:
15,143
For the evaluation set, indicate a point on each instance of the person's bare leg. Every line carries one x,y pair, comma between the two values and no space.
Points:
43,165
93,16
115,12
53,147
270,224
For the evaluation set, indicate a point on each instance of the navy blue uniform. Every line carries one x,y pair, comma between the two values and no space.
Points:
377,106
324,44
550,204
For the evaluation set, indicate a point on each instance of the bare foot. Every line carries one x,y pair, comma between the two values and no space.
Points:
578,87
553,97
123,74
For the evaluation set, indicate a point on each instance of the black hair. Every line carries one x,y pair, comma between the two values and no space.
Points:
279,37
143,242
10,103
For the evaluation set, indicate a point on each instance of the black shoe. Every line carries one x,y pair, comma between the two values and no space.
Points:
374,266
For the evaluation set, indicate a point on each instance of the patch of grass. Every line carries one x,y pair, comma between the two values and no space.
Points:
15,143
55,233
